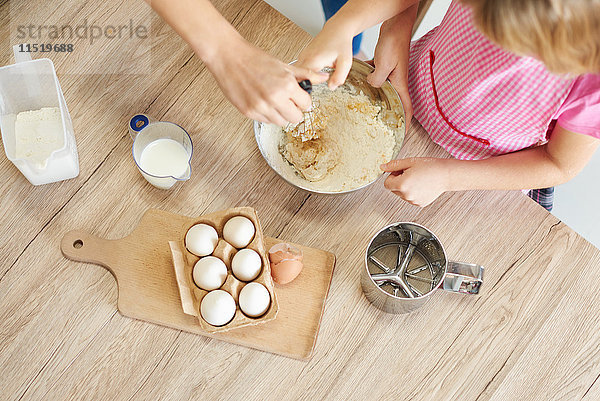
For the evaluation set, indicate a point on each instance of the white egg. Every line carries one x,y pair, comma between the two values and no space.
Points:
217,308
254,299
246,264
201,239
239,231
209,273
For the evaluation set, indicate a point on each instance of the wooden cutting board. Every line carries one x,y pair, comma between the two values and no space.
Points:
142,265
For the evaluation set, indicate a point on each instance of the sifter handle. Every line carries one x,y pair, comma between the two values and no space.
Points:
465,278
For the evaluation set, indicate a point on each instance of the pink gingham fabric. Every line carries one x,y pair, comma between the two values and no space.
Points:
483,91
581,111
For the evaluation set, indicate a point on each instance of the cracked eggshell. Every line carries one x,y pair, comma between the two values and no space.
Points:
286,262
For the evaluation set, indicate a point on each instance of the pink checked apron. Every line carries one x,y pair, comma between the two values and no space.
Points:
475,99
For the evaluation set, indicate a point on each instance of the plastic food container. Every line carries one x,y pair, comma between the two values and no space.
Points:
31,85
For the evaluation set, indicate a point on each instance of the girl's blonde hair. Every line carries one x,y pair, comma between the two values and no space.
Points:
563,34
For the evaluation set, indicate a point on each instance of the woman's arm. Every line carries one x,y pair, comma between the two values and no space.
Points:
200,24
421,180
332,47
260,86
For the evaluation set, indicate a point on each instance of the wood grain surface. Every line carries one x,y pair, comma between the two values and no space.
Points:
532,334
143,268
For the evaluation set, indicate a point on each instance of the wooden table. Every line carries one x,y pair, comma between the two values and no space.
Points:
532,334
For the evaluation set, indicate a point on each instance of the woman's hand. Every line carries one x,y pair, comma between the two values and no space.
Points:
419,181
332,47
260,86
391,56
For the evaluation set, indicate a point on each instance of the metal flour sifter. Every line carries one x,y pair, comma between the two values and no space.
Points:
405,263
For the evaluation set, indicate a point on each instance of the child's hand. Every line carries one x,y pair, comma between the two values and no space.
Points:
419,181
391,57
332,47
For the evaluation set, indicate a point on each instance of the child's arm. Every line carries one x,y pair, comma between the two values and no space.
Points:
260,86
332,47
421,180
391,56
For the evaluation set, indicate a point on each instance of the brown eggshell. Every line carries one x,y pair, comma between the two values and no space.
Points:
280,256
283,251
286,270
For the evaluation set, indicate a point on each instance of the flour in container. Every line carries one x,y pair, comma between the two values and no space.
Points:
38,133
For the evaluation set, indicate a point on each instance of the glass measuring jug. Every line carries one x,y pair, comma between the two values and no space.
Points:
161,150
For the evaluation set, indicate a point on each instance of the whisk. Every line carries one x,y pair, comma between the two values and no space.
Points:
307,129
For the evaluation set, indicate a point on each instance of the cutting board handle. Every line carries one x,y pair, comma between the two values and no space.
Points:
83,247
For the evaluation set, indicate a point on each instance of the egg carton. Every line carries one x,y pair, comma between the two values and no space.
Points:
232,285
